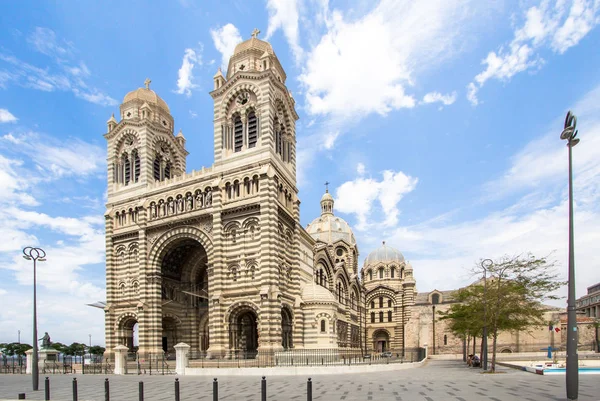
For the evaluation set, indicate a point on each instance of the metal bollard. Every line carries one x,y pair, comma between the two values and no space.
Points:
176,389
106,390
141,391
74,389
215,390
21,396
263,389
47,389
309,390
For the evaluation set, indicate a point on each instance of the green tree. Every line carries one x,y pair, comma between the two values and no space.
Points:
60,347
510,298
12,349
516,288
96,350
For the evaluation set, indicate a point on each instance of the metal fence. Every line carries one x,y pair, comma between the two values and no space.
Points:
13,365
150,363
304,357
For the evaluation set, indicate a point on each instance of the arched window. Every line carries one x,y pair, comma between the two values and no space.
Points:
381,272
252,130
445,339
435,299
389,316
323,325
381,302
247,188
393,270
370,274
389,303
372,317
127,168
167,171
238,136
156,168
372,304
136,167
380,317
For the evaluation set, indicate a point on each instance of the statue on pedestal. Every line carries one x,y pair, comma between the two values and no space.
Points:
46,343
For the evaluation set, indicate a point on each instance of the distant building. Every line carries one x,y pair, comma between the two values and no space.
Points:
590,304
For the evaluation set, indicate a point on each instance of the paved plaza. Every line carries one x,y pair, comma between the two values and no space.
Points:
437,380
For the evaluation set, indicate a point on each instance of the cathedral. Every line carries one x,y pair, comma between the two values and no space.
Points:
217,258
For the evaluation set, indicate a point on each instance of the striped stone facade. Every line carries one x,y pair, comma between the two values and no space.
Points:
217,258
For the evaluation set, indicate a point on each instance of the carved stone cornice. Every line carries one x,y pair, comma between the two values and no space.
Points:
286,217
126,236
192,221
240,211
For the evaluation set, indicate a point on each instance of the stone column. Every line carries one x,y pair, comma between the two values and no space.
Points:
29,361
181,358
120,359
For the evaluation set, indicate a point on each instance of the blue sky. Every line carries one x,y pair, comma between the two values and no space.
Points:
436,122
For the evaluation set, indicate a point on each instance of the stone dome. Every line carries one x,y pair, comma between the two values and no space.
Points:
147,95
254,44
329,228
384,254
313,292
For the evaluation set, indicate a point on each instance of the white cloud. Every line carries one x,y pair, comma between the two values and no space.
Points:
329,139
546,25
433,97
343,77
225,39
193,114
44,40
185,81
66,74
284,14
7,117
359,195
360,169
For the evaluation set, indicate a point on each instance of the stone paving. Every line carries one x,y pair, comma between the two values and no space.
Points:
435,381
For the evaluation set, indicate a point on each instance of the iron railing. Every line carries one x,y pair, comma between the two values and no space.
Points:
303,357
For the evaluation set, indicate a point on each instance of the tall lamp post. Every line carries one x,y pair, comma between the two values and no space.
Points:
570,135
433,314
485,264
37,255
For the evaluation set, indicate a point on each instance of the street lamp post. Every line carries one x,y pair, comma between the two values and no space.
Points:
485,264
570,135
37,255
433,307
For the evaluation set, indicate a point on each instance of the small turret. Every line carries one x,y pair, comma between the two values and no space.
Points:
180,139
111,123
219,79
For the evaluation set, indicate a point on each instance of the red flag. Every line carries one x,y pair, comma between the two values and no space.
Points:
557,329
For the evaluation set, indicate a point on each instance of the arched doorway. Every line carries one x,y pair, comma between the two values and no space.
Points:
184,292
286,328
128,333
381,341
243,334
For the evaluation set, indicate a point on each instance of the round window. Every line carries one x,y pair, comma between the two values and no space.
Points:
339,252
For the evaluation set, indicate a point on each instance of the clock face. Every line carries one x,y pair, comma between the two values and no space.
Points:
242,99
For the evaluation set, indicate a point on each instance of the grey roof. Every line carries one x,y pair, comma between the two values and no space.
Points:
384,254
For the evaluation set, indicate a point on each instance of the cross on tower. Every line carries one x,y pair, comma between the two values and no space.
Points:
255,33
326,186
147,83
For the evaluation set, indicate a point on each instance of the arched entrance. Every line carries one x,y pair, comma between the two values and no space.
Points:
184,292
243,334
381,341
127,333
286,328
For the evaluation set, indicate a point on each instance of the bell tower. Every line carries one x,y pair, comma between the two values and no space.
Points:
255,116
141,146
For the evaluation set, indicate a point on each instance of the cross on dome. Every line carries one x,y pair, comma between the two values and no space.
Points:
255,33
147,83
326,186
